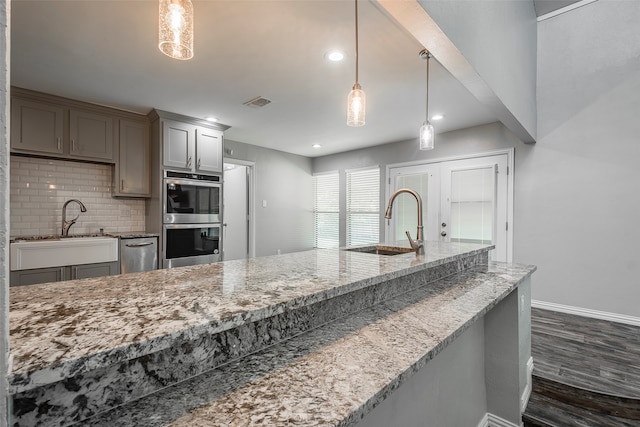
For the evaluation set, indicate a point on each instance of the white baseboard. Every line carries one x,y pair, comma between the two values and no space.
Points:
526,394
490,420
585,312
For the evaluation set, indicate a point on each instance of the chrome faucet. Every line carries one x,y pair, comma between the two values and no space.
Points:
66,225
418,244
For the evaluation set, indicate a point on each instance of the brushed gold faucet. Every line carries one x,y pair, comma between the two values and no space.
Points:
418,244
66,225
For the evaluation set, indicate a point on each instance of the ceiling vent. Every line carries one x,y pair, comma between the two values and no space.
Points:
257,102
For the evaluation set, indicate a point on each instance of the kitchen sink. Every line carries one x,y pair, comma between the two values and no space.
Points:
56,251
381,250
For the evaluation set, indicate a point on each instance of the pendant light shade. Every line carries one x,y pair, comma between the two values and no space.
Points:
175,23
427,133
427,136
356,102
357,105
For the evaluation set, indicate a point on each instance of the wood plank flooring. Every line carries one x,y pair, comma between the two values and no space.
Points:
586,372
588,353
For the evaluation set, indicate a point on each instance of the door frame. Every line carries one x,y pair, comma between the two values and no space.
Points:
251,181
510,184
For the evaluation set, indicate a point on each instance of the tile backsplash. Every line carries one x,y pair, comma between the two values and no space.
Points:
39,188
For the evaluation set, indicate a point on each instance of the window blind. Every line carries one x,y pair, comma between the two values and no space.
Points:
327,210
363,206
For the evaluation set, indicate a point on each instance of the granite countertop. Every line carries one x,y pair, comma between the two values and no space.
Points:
334,375
121,235
85,323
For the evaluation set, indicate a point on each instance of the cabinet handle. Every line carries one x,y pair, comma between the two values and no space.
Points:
199,161
58,141
122,184
189,162
73,145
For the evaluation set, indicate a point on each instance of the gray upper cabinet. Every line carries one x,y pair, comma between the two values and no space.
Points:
50,126
179,145
90,135
132,171
191,148
208,150
45,125
36,127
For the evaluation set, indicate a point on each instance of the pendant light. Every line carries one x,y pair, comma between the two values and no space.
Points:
175,23
427,134
356,102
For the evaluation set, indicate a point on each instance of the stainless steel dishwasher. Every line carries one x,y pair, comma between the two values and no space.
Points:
138,254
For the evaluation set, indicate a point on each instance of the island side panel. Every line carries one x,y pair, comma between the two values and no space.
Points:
481,377
448,391
507,354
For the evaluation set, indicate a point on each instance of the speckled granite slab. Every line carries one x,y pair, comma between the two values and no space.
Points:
109,340
334,375
123,235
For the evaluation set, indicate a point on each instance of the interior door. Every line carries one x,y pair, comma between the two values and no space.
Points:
236,212
463,201
424,180
474,202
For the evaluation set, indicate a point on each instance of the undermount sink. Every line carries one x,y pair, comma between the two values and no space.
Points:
56,251
381,250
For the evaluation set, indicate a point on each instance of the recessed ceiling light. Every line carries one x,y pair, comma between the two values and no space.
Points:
335,56
437,117
317,146
211,119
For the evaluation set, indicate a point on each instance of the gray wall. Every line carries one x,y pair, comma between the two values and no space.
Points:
284,181
4,205
579,186
577,189
498,39
467,141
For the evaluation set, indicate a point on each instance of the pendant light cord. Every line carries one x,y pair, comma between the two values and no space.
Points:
356,2
427,109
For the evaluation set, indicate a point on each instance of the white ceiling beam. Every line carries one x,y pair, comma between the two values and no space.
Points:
412,16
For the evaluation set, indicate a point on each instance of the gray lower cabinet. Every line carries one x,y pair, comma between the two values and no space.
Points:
58,274
88,271
38,275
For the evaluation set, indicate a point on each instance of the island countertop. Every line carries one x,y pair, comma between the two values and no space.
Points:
94,338
103,320
336,374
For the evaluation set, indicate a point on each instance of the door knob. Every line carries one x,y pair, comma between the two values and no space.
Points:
444,233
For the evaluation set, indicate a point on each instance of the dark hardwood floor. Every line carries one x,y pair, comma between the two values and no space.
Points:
586,372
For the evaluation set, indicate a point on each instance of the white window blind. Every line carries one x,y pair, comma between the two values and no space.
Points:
363,206
327,210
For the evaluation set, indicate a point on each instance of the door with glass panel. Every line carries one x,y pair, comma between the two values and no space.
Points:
473,206
463,201
424,180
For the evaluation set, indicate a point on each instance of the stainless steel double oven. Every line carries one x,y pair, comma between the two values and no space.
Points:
192,216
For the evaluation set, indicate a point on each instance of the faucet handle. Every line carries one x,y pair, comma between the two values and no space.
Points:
414,244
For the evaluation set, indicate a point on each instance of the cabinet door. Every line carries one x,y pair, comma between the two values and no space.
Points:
38,275
178,145
36,127
88,271
133,167
91,135
208,150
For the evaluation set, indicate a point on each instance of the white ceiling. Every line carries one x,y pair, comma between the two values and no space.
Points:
106,52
